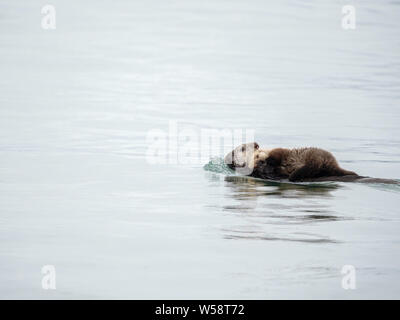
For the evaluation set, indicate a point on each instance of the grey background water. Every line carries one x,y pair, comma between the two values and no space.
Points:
76,189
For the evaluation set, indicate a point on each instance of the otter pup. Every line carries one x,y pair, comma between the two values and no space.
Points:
303,164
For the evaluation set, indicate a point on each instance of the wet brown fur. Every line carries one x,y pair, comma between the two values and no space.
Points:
305,163
302,164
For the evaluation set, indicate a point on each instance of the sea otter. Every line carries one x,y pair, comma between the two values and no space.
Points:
296,165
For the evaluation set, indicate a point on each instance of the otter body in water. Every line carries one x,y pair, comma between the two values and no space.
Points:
296,165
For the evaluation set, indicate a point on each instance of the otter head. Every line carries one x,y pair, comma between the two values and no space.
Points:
244,158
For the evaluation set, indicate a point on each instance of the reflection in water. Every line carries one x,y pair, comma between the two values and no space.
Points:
254,187
306,238
273,211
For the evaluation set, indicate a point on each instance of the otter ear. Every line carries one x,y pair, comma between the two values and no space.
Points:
256,146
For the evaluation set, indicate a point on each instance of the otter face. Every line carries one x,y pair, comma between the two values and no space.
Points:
245,157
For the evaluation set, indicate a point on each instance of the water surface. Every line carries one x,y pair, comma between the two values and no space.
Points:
76,188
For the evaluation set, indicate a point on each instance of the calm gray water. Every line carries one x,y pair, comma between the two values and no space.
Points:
77,191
